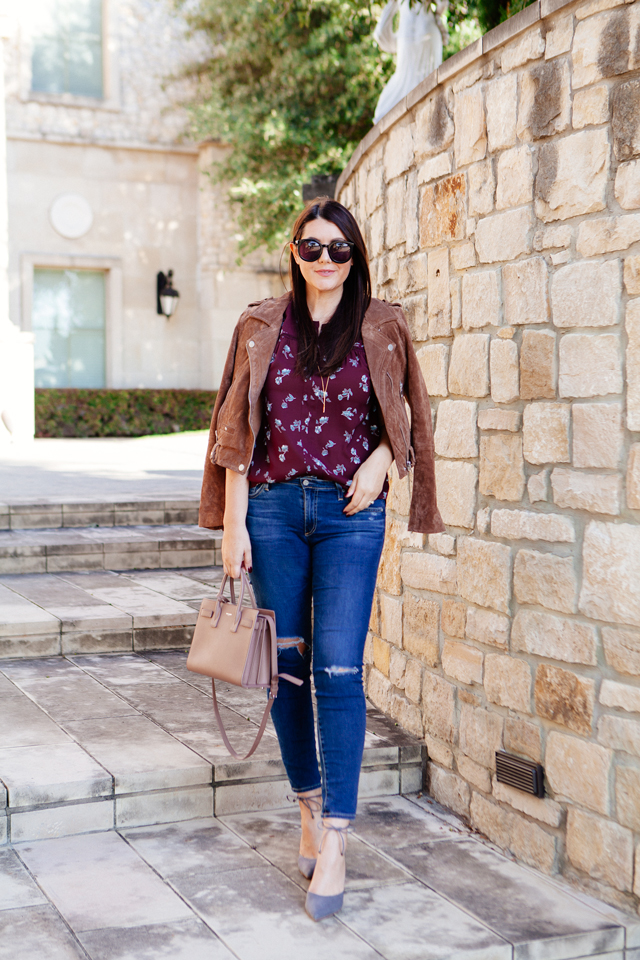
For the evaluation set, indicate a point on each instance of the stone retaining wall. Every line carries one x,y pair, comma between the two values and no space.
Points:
501,203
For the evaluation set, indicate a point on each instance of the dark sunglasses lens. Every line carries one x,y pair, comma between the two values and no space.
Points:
309,250
339,252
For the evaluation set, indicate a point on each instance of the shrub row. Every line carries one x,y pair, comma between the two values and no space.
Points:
121,413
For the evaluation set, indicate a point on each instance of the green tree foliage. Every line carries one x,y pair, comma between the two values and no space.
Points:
291,87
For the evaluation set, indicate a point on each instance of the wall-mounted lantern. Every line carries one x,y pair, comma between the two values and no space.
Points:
167,297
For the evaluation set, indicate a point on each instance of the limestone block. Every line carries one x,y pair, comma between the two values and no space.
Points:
622,695
424,571
413,682
492,820
559,37
636,884
526,291
434,168
627,188
628,797
396,214
420,622
495,418
480,735
504,236
449,789
620,734
439,302
379,690
565,698
483,518
484,573
442,211
572,175
504,371
632,326
590,366
633,477
408,716
434,362
456,304
399,494
439,706
389,570
374,190
578,771
595,492
515,178
547,811
442,543
468,368
530,46
502,467
453,617
487,627
545,100
376,238
554,637
522,736
545,432
438,752
391,619
463,255
413,274
598,435
415,311
546,238
456,483
434,126
501,101
397,667
601,848
482,187
527,525
590,106
632,275
544,579
611,573
537,365
456,434
462,662
601,47
470,138
626,120
538,487
411,201
480,300
622,650
381,654
507,682
398,154
607,234
587,294
474,773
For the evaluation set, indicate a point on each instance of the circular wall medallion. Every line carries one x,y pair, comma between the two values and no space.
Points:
71,216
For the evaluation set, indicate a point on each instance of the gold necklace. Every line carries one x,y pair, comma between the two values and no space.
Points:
324,391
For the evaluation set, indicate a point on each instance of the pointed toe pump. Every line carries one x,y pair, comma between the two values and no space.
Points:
306,865
317,906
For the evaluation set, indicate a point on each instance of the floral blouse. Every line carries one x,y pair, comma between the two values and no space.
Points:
306,431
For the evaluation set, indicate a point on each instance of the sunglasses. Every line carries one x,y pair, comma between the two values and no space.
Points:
311,250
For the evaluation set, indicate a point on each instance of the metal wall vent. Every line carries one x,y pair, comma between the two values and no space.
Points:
521,774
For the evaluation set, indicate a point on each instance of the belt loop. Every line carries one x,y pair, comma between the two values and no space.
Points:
340,491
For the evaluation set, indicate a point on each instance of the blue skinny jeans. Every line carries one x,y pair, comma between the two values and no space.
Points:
308,554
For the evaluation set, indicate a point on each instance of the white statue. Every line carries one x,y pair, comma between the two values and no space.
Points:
417,43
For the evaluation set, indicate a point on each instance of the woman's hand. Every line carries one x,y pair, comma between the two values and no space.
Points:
368,480
236,545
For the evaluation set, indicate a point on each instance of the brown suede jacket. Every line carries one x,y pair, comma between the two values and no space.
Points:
395,375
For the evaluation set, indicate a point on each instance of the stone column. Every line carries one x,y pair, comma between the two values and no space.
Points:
17,419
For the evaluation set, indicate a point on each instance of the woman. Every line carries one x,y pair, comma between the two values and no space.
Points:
309,417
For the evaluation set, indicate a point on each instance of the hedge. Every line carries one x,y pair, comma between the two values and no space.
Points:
121,413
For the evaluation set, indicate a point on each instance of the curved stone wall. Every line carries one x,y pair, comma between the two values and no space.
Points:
501,203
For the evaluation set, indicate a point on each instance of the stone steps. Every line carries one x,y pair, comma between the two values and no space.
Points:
58,512
95,743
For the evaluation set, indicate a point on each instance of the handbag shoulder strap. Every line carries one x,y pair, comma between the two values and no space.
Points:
263,724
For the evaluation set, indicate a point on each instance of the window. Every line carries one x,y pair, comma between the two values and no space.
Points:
67,47
69,326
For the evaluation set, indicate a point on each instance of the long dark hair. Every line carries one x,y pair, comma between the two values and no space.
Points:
324,354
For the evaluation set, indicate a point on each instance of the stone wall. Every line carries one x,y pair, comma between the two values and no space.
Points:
501,203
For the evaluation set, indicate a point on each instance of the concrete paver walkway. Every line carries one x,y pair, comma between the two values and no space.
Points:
419,887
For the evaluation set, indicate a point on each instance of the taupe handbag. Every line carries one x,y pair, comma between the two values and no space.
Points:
237,644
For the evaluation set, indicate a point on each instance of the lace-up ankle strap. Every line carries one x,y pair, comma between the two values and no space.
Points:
341,831
313,804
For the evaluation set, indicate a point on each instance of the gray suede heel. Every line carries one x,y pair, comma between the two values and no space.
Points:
306,866
320,907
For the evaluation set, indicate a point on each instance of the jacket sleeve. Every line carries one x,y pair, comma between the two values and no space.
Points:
424,516
213,481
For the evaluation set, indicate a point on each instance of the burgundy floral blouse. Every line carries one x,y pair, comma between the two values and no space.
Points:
304,432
